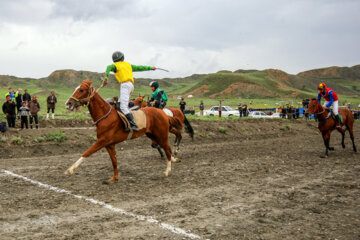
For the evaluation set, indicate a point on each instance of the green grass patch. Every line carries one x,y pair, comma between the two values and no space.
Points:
285,128
92,138
222,130
57,136
3,139
39,139
16,140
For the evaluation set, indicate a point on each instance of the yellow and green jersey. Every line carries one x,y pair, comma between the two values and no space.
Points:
124,71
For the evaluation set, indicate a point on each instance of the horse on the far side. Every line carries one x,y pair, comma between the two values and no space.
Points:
327,124
177,122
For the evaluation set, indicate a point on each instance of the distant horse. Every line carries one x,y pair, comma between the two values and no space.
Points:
177,122
111,129
327,124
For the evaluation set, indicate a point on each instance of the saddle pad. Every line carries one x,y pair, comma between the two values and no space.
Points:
139,116
168,112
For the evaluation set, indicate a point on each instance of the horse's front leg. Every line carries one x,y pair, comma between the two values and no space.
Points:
99,144
326,138
112,152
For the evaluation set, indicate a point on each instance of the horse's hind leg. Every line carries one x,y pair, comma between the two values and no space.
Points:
112,152
178,144
154,145
342,131
352,137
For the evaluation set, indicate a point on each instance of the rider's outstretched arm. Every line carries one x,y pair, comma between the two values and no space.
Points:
140,68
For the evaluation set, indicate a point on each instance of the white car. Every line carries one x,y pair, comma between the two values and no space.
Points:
258,114
276,115
226,111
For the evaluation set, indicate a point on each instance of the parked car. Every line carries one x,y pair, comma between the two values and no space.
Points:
276,115
226,111
258,114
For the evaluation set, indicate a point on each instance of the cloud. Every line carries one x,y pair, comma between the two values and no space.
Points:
186,37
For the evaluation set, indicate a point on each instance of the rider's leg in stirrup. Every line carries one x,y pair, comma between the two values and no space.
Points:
126,89
336,113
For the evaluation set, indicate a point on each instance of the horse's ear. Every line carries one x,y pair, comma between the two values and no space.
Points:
143,96
87,82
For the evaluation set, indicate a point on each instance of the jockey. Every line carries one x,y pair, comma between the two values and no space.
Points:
331,98
124,74
158,96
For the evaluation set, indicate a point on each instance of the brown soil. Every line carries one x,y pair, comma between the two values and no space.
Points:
253,182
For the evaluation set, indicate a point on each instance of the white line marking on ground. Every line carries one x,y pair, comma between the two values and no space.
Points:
148,219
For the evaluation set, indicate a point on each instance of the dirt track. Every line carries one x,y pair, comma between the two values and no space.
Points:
254,182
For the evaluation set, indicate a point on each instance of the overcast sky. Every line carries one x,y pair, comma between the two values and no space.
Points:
186,37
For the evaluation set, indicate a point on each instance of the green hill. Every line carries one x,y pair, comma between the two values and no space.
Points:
241,84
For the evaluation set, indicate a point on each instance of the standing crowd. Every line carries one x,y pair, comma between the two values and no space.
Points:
25,108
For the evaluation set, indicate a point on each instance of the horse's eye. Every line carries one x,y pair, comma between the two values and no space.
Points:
81,90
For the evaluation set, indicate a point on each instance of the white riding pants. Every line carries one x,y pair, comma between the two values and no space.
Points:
335,106
126,89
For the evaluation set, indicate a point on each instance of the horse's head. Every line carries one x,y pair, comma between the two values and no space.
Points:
139,101
82,95
314,107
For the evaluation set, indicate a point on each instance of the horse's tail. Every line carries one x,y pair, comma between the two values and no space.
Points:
175,123
188,128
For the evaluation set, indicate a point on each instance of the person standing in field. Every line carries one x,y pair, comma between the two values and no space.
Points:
51,101
10,112
201,106
34,107
182,105
19,99
24,112
240,108
124,74
26,96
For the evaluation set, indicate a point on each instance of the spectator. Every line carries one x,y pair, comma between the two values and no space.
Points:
51,101
240,108
24,113
182,105
26,96
9,110
245,110
19,100
34,107
201,106
12,94
284,112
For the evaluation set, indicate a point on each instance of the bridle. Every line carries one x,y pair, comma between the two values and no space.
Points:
87,100
317,109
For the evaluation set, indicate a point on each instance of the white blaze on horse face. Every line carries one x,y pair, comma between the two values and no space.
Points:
66,104
74,166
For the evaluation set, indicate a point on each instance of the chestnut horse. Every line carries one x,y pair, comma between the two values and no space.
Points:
327,124
111,129
177,123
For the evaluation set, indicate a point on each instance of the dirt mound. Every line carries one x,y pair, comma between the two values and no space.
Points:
278,75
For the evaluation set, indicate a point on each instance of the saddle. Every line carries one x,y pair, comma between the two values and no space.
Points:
139,117
331,114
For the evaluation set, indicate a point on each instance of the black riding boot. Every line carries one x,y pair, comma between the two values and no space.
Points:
337,120
131,120
117,106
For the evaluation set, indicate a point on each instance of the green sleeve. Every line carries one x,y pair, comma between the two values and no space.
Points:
141,68
110,68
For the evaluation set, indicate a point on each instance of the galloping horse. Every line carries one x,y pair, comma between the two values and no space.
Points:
111,129
327,124
177,122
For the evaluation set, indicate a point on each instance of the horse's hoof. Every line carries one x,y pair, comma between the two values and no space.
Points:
331,148
69,172
323,156
110,181
343,146
166,173
175,159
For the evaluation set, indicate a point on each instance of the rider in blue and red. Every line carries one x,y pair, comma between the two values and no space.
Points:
331,98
